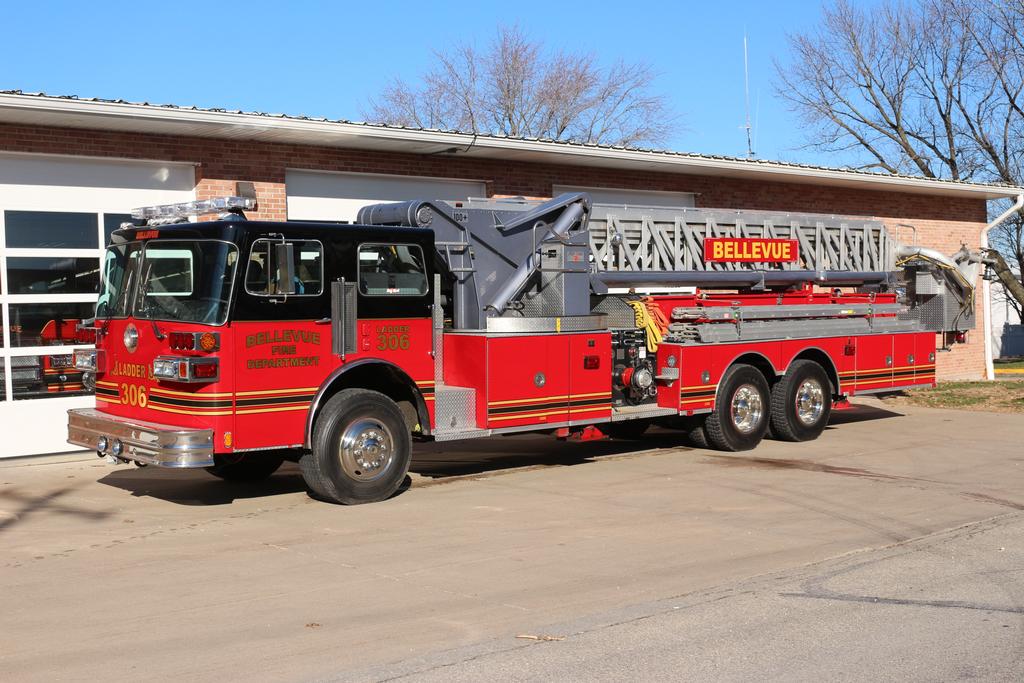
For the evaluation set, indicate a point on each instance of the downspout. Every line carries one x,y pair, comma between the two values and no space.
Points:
986,288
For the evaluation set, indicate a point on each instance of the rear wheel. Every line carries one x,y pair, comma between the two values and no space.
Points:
801,402
740,418
697,434
361,449
247,467
691,425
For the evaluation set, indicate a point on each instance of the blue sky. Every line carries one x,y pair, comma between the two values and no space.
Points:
329,58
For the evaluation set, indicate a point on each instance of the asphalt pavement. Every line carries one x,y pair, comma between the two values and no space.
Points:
891,548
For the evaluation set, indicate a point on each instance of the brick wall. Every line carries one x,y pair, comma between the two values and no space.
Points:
942,222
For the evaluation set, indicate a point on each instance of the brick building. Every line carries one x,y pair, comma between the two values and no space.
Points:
70,170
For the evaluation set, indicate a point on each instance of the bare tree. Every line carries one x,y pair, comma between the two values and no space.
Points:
934,88
517,88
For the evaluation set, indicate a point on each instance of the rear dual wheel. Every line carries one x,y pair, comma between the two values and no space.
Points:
801,402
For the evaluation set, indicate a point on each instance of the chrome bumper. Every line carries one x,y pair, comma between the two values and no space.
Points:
145,442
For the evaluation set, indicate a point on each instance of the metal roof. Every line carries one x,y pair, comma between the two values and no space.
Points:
71,111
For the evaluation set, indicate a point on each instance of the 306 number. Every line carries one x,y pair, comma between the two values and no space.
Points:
133,395
392,342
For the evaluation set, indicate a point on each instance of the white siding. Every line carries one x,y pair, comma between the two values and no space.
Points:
323,196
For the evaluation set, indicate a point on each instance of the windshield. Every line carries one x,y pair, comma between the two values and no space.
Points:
120,276
185,280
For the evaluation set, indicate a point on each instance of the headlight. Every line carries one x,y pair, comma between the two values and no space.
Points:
186,369
165,368
86,360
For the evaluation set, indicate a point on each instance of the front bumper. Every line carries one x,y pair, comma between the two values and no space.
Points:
145,442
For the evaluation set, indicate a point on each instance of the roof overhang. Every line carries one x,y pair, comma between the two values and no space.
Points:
39,110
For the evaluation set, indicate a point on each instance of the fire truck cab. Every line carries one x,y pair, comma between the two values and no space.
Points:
235,345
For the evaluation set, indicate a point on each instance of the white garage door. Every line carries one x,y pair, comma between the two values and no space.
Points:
604,195
320,196
55,215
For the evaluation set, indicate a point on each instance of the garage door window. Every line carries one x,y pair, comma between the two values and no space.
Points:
49,279
53,275
50,230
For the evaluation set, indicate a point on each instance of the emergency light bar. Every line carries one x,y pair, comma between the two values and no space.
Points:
200,207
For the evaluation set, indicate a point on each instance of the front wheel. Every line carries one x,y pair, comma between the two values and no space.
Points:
361,449
740,418
801,402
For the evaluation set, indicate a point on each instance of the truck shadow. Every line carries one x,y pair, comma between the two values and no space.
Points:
432,462
442,460
196,487
860,413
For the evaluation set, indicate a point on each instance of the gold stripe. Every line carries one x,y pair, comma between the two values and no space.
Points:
106,384
699,386
168,392
276,391
898,367
425,383
874,381
428,398
698,400
526,400
188,412
606,406
273,410
526,415
597,394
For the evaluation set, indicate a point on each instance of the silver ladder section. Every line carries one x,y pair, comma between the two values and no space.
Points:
657,239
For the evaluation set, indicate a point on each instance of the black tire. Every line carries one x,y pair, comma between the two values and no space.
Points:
697,434
692,426
801,402
744,430
245,467
629,430
377,459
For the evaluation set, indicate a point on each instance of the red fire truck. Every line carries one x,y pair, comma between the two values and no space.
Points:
234,345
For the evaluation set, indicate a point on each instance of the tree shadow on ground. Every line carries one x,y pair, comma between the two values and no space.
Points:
29,504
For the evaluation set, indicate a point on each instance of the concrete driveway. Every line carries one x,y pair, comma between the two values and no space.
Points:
889,548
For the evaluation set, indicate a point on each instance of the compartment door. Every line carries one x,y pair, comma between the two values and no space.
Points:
527,380
924,353
874,362
590,377
904,360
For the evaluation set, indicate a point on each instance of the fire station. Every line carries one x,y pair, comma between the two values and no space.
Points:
72,169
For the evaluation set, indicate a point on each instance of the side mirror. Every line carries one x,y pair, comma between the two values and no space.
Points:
284,268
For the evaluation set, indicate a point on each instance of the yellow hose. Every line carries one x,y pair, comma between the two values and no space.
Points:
650,319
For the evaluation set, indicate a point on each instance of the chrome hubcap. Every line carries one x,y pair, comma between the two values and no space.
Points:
810,402
367,449
747,408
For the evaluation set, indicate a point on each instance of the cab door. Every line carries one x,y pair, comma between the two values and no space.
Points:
282,344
